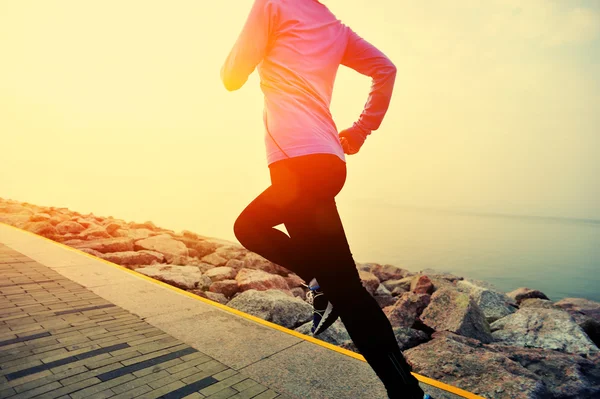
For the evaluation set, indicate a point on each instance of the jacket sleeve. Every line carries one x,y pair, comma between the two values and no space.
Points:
366,59
251,45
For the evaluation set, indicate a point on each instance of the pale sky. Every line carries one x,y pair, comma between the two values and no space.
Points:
117,108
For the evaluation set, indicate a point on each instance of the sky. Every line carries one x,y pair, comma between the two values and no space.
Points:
117,108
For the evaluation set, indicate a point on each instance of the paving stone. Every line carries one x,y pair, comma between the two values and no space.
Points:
247,383
102,386
227,382
250,392
119,389
268,394
223,393
135,392
44,389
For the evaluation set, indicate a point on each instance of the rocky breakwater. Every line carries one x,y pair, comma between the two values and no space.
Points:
460,331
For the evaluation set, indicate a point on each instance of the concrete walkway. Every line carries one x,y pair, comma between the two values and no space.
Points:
75,326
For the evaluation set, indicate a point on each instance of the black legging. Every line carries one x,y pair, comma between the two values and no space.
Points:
302,196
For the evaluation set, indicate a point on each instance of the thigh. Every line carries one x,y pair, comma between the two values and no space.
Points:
267,210
316,228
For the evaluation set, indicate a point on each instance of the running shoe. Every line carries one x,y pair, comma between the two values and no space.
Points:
427,396
323,313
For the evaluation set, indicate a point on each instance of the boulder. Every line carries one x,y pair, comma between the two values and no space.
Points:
231,252
493,304
214,259
226,287
17,220
564,375
202,247
523,293
235,264
57,219
298,292
16,209
293,280
137,234
213,296
461,362
369,281
164,244
543,328
384,297
586,314
251,279
221,273
146,225
456,312
83,221
69,227
538,304
40,217
44,229
253,260
92,252
405,337
399,285
421,285
133,258
336,334
94,231
406,309
105,245
388,272
184,277
580,305
112,227
274,306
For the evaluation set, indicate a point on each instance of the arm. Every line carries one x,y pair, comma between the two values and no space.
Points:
250,47
366,59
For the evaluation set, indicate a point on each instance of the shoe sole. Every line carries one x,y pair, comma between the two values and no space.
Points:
329,317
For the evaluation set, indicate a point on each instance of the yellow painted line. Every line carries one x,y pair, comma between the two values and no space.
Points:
422,378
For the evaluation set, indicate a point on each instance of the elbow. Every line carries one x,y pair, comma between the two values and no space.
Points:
391,69
232,84
228,81
229,86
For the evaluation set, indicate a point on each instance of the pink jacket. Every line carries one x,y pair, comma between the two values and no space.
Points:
298,46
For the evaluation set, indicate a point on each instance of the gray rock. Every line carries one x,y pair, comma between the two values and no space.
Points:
369,281
335,334
402,284
405,337
133,258
249,279
387,272
228,288
214,259
274,306
564,375
221,273
456,312
493,304
538,303
523,293
184,277
106,245
164,244
543,328
586,313
406,309
69,227
462,362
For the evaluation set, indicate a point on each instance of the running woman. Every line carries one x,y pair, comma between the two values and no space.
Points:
298,46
